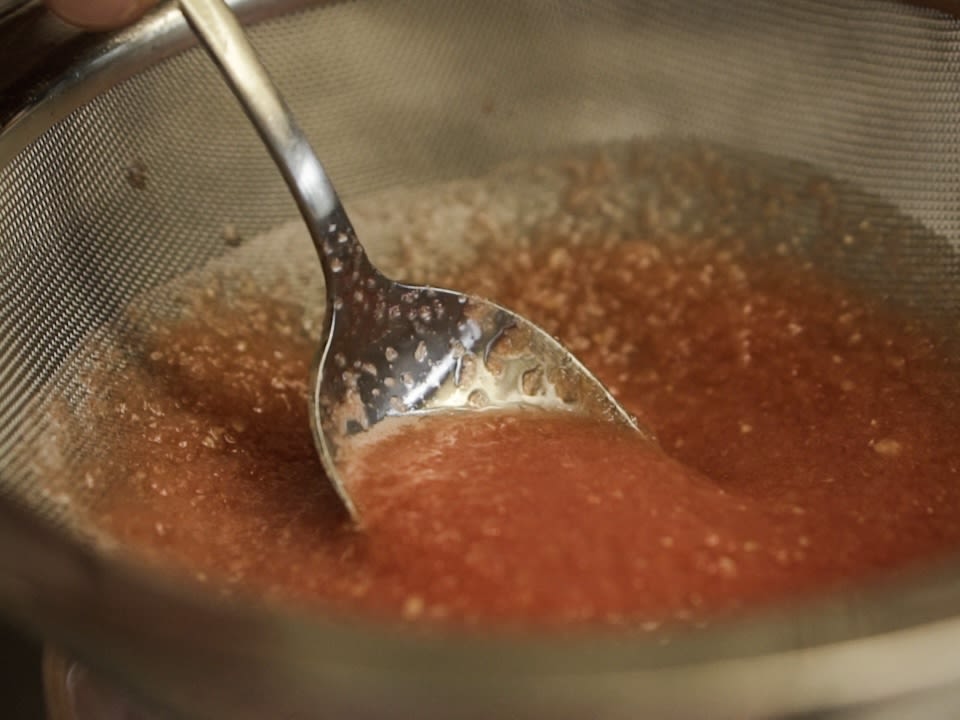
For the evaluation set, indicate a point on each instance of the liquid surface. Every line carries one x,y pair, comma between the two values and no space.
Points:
818,436
603,520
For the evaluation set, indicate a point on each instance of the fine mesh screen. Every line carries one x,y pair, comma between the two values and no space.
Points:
827,126
136,188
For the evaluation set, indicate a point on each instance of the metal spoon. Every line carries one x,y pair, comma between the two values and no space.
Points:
392,350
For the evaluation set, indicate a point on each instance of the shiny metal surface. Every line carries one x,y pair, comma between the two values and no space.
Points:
50,68
393,350
869,95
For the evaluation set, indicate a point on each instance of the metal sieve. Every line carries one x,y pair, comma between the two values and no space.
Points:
126,165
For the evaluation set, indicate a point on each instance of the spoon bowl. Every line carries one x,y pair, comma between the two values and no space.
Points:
393,350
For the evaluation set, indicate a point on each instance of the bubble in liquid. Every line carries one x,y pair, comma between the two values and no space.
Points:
336,266
391,354
531,382
478,399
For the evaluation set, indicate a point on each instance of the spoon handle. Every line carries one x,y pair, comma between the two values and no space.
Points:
225,40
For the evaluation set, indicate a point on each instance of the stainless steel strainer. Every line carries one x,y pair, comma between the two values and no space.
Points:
125,165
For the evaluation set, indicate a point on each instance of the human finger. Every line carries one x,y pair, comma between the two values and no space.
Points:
100,14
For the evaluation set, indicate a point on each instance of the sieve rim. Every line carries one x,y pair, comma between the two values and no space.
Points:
59,68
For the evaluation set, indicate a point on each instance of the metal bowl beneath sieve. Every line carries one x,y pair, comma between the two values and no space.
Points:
123,158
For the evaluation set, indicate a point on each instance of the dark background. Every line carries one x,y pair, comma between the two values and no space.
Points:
21,689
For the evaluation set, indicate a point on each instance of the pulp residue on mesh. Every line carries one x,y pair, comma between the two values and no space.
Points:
810,433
